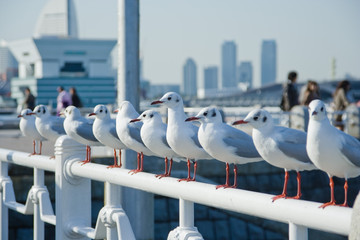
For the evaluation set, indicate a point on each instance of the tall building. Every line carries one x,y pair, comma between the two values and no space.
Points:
228,61
268,62
8,68
211,78
245,74
189,78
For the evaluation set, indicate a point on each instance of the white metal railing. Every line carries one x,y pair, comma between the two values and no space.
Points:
73,199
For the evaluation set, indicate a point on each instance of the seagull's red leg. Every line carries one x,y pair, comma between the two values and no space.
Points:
298,195
194,177
166,167
169,172
226,185
186,179
332,200
283,195
138,165
34,152
120,153
88,154
142,163
115,161
40,147
235,177
345,204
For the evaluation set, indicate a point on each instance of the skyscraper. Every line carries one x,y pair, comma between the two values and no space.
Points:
189,87
268,62
228,60
245,73
211,78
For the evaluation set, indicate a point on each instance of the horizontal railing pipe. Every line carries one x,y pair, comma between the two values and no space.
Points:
23,159
304,213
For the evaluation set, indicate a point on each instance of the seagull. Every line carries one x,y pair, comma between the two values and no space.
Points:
331,150
129,133
50,127
280,146
182,136
80,129
153,134
104,130
28,128
224,142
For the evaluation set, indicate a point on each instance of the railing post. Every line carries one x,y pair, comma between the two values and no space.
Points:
112,199
297,232
38,223
73,194
186,229
4,211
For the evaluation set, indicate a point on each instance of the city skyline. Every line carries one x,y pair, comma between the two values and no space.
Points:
189,84
268,62
228,64
308,33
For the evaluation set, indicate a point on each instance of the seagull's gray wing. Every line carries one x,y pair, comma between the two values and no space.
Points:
350,147
113,132
194,137
292,143
242,142
57,125
165,141
135,133
84,130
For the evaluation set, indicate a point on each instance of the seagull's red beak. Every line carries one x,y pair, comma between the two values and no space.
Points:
92,114
192,119
156,102
31,113
134,120
240,122
116,110
19,116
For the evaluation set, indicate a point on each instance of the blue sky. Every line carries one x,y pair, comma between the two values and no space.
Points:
308,33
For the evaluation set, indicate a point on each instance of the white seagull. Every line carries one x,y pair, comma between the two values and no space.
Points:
280,146
331,150
80,129
129,133
50,127
182,136
104,129
224,142
153,134
28,128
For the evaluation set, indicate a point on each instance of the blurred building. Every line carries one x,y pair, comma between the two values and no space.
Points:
56,57
245,74
228,64
211,78
268,62
8,68
189,87
158,90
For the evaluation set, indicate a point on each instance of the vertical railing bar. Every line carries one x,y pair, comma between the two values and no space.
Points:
112,199
4,211
39,226
186,213
297,232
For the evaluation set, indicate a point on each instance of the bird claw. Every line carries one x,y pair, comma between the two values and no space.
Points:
84,162
294,197
187,180
331,203
278,197
52,157
162,175
32,154
225,186
114,166
132,172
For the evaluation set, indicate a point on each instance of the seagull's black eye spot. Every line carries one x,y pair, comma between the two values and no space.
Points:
151,115
205,114
169,98
177,100
144,115
322,109
100,110
264,119
256,118
105,111
44,110
214,114
39,110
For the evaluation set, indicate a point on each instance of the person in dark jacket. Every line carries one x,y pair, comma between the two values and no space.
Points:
290,96
76,102
29,101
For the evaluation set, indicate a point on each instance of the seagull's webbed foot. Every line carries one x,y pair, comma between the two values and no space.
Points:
84,162
294,197
188,179
52,157
134,171
114,166
162,175
343,205
283,195
331,203
223,186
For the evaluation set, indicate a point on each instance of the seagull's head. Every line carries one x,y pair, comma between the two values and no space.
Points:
170,100
257,118
26,113
148,116
125,109
100,111
317,110
207,115
40,111
72,112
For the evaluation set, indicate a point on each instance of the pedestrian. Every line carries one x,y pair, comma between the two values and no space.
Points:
29,101
63,100
290,96
76,102
311,93
340,102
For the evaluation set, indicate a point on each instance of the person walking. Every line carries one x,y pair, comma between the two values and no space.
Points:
340,102
29,101
311,93
290,96
76,102
63,100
